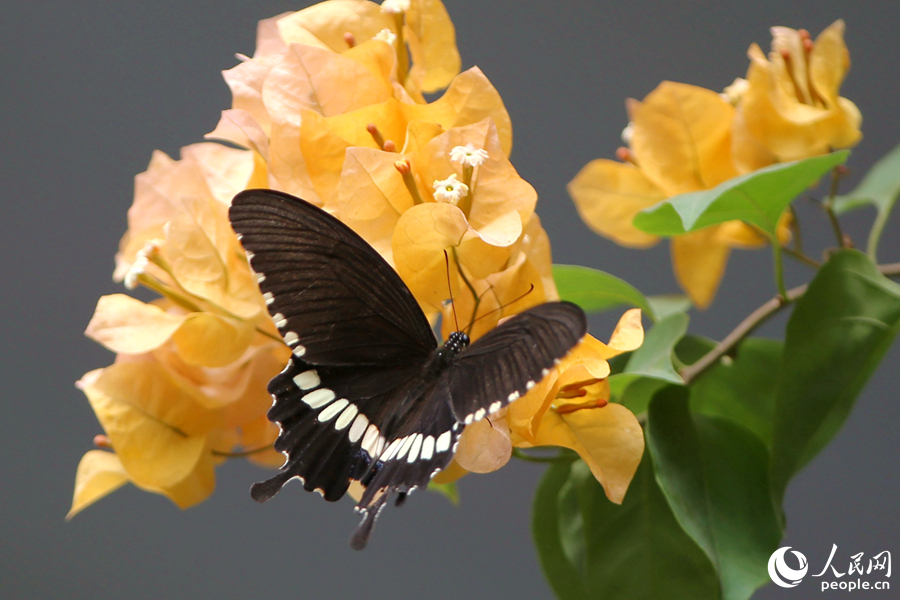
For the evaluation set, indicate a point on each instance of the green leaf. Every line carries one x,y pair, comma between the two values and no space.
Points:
758,198
742,388
669,304
692,348
596,291
838,333
880,188
654,357
633,392
714,473
591,548
448,490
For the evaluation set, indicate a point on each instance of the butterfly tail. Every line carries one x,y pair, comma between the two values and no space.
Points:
264,490
360,537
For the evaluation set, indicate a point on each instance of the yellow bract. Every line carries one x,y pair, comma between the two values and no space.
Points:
684,138
331,108
569,408
791,105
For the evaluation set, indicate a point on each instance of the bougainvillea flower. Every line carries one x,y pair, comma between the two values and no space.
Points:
478,220
680,142
790,107
187,389
569,408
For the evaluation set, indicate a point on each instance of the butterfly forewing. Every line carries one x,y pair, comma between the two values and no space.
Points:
326,285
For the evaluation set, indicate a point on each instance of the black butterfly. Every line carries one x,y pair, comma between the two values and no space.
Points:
368,395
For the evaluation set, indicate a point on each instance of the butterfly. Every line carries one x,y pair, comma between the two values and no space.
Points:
368,396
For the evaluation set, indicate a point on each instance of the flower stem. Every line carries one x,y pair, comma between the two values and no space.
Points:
842,241
754,320
779,268
799,255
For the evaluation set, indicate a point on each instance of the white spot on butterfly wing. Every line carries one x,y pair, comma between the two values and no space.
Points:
416,446
370,439
443,442
479,414
346,417
392,449
291,338
428,448
332,410
358,427
545,372
529,385
307,380
269,298
319,398
407,443
513,396
260,278
299,351
495,406
279,320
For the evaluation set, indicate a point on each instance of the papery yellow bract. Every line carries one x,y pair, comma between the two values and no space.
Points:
329,108
681,141
568,408
790,106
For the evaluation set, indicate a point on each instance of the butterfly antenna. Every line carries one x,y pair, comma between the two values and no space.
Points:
450,287
501,307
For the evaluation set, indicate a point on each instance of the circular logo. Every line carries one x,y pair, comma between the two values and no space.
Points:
782,574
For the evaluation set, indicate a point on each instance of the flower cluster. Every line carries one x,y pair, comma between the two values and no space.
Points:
331,108
682,138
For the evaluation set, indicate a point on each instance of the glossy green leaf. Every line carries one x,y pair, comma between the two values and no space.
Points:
879,188
669,304
591,548
714,474
836,336
654,357
634,392
743,387
758,198
596,291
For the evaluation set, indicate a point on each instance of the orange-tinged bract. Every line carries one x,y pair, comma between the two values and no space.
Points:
330,108
683,138
569,408
789,107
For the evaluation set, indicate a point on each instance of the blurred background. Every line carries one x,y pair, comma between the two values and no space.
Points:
92,88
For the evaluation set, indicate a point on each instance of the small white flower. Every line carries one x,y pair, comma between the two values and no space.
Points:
395,6
450,190
628,133
141,262
468,155
734,92
386,35
131,277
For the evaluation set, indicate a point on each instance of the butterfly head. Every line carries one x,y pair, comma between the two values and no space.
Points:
457,342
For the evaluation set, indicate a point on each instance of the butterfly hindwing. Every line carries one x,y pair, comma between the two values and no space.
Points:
326,285
510,359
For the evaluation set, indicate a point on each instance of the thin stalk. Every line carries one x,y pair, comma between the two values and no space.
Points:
754,320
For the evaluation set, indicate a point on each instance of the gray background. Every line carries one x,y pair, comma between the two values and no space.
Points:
90,88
